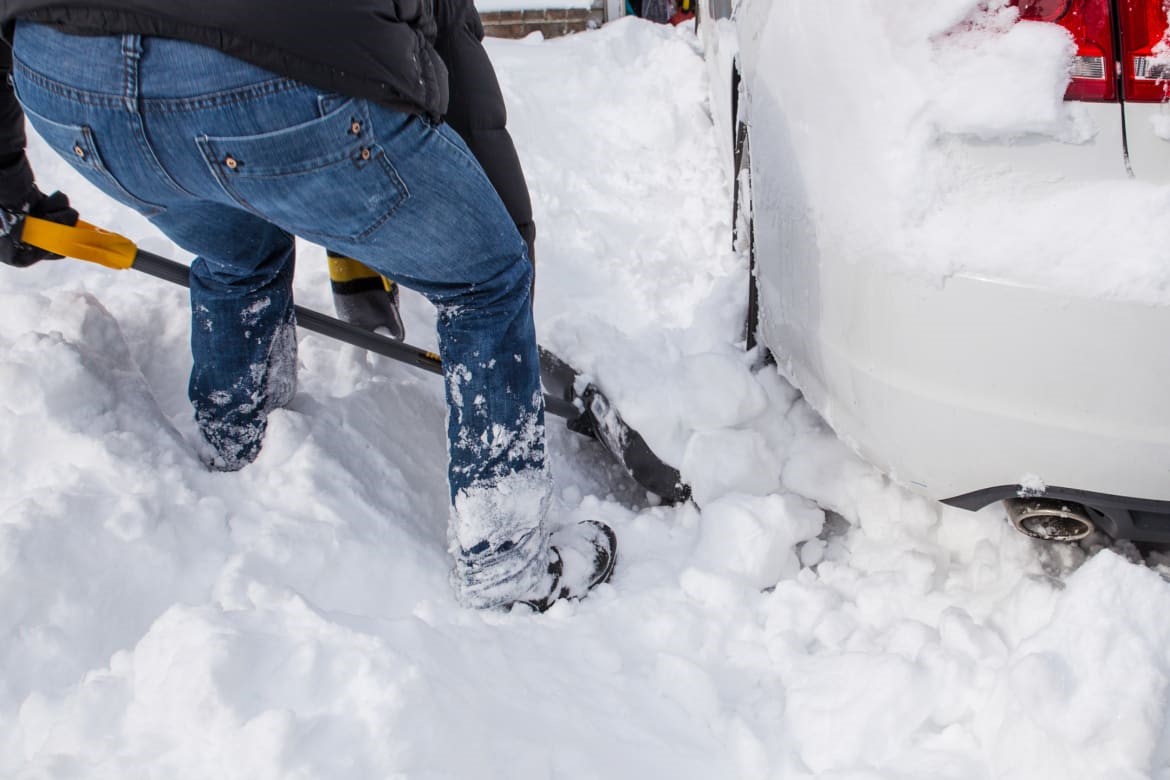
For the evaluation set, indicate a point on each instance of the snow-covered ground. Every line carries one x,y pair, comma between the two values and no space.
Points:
294,620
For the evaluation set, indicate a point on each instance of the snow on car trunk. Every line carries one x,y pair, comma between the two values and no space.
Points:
952,150
294,619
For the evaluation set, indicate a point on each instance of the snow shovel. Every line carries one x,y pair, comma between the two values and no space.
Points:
585,407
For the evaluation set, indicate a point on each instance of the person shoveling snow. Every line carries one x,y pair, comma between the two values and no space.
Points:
221,125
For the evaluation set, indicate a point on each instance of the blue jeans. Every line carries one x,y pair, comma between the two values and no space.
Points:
231,161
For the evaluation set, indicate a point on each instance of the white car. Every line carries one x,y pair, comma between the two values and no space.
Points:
901,235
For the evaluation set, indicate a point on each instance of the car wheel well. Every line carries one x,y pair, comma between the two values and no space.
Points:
742,217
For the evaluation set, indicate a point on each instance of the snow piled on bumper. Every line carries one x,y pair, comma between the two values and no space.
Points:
951,149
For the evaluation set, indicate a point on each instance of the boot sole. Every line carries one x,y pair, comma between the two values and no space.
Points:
611,554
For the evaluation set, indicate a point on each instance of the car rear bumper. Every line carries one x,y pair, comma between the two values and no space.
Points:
977,383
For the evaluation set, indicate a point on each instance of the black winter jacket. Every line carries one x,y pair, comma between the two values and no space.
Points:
377,49
477,111
390,51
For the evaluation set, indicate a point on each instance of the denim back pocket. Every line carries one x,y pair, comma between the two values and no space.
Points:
78,145
326,178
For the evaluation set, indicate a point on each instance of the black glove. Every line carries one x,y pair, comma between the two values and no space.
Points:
54,208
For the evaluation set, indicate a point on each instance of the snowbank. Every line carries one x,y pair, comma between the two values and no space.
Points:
294,620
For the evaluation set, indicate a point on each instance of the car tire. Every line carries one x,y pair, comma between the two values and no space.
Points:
742,219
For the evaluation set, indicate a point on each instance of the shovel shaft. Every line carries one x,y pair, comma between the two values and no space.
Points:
177,273
587,409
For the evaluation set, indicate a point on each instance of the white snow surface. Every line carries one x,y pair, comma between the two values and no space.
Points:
294,619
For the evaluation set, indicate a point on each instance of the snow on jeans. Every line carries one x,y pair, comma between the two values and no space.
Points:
231,161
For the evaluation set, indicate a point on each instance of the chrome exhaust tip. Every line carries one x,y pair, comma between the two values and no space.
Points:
1049,519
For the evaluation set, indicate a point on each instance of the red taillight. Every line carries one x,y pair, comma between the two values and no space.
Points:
1043,10
1143,26
1088,21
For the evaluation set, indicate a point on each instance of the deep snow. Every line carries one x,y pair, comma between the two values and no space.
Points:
294,620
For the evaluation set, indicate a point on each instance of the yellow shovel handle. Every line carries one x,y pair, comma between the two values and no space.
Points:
83,241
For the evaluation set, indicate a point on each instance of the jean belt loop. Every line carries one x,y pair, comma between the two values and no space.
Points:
131,60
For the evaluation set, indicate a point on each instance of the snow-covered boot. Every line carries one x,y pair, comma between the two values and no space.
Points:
363,298
581,557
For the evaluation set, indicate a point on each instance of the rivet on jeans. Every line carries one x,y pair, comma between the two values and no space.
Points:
231,162
79,151
365,153
356,127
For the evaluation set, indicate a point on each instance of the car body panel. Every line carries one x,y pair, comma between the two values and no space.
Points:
948,400
1100,157
958,385
1149,152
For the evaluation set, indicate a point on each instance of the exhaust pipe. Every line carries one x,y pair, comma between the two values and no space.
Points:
1049,519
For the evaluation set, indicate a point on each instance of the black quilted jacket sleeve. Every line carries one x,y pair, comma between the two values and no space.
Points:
476,109
16,177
